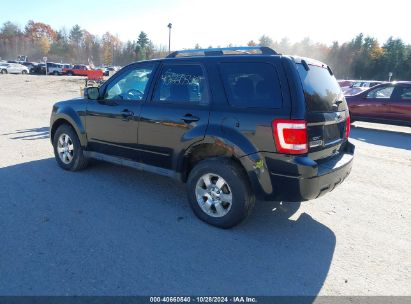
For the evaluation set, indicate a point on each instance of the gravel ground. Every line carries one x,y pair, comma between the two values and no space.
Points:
114,231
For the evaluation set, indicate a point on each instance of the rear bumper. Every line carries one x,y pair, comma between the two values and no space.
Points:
298,178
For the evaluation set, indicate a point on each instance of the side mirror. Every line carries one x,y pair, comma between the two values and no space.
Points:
92,93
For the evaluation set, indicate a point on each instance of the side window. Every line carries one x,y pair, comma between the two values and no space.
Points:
384,92
251,85
182,84
131,86
405,93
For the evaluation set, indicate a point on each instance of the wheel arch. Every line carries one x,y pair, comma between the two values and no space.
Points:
252,163
73,121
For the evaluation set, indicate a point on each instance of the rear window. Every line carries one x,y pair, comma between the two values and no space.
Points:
251,85
321,90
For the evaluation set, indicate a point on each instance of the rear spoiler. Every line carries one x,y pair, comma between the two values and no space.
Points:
309,61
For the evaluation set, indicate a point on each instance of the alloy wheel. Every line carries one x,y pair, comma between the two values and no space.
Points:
213,195
65,148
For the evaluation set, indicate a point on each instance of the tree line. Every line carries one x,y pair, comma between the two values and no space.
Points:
76,45
361,58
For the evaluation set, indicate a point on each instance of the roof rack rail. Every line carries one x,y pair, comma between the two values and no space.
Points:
243,50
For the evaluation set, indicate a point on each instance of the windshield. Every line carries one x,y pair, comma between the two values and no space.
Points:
321,90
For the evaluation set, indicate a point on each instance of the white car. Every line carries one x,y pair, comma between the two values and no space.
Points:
13,68
55,68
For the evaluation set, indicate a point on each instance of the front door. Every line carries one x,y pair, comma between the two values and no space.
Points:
376,103
112,121
176,116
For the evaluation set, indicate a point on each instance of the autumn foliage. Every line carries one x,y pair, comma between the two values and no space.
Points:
361,58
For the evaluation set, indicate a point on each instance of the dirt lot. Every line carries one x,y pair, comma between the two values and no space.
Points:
113,231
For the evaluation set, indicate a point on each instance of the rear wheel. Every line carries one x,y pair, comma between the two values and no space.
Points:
219,192
24,72
70,74
4,71
67,149
55,73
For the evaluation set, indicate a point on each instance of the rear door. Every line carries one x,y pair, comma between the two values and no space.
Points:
326,108
400,104
177,114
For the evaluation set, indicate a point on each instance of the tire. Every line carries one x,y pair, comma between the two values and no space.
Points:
4,71
71,159
55,73
70,74
226,179
24,72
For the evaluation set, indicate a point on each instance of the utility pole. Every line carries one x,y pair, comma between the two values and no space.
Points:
112,54
169,37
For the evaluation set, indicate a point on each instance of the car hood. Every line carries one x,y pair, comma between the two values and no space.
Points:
78,102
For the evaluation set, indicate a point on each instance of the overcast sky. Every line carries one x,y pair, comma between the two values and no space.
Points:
211,22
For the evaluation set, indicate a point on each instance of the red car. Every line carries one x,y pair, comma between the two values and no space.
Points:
83,70
386,103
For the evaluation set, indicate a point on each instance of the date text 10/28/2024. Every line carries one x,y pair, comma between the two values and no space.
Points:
239,299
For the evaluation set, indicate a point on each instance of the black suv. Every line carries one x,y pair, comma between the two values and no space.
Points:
233,124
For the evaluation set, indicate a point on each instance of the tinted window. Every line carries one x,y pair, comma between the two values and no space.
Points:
251,85
131,86
382,92
405,92
321,90
181,83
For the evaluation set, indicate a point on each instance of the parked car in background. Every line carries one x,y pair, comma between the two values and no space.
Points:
360,86
104,70
54,68
108,70
67,65
344,84
13,68
82,70
29,65
38,69
386,103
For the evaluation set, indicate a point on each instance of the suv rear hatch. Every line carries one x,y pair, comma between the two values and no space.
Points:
326,109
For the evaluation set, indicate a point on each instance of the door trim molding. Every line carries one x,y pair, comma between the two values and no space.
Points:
126,147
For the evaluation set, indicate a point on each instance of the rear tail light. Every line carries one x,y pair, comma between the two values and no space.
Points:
347,126
290,136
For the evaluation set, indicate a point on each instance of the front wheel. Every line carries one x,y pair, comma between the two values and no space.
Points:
4,71
67,149
24,72
219,192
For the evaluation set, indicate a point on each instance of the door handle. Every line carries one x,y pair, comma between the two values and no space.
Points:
189,118
126,114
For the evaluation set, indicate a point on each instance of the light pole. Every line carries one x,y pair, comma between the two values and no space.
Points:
169,37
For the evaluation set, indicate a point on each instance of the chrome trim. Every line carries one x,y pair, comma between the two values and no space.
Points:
332,142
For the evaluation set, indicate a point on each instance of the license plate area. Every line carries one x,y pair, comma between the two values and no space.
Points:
332,133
